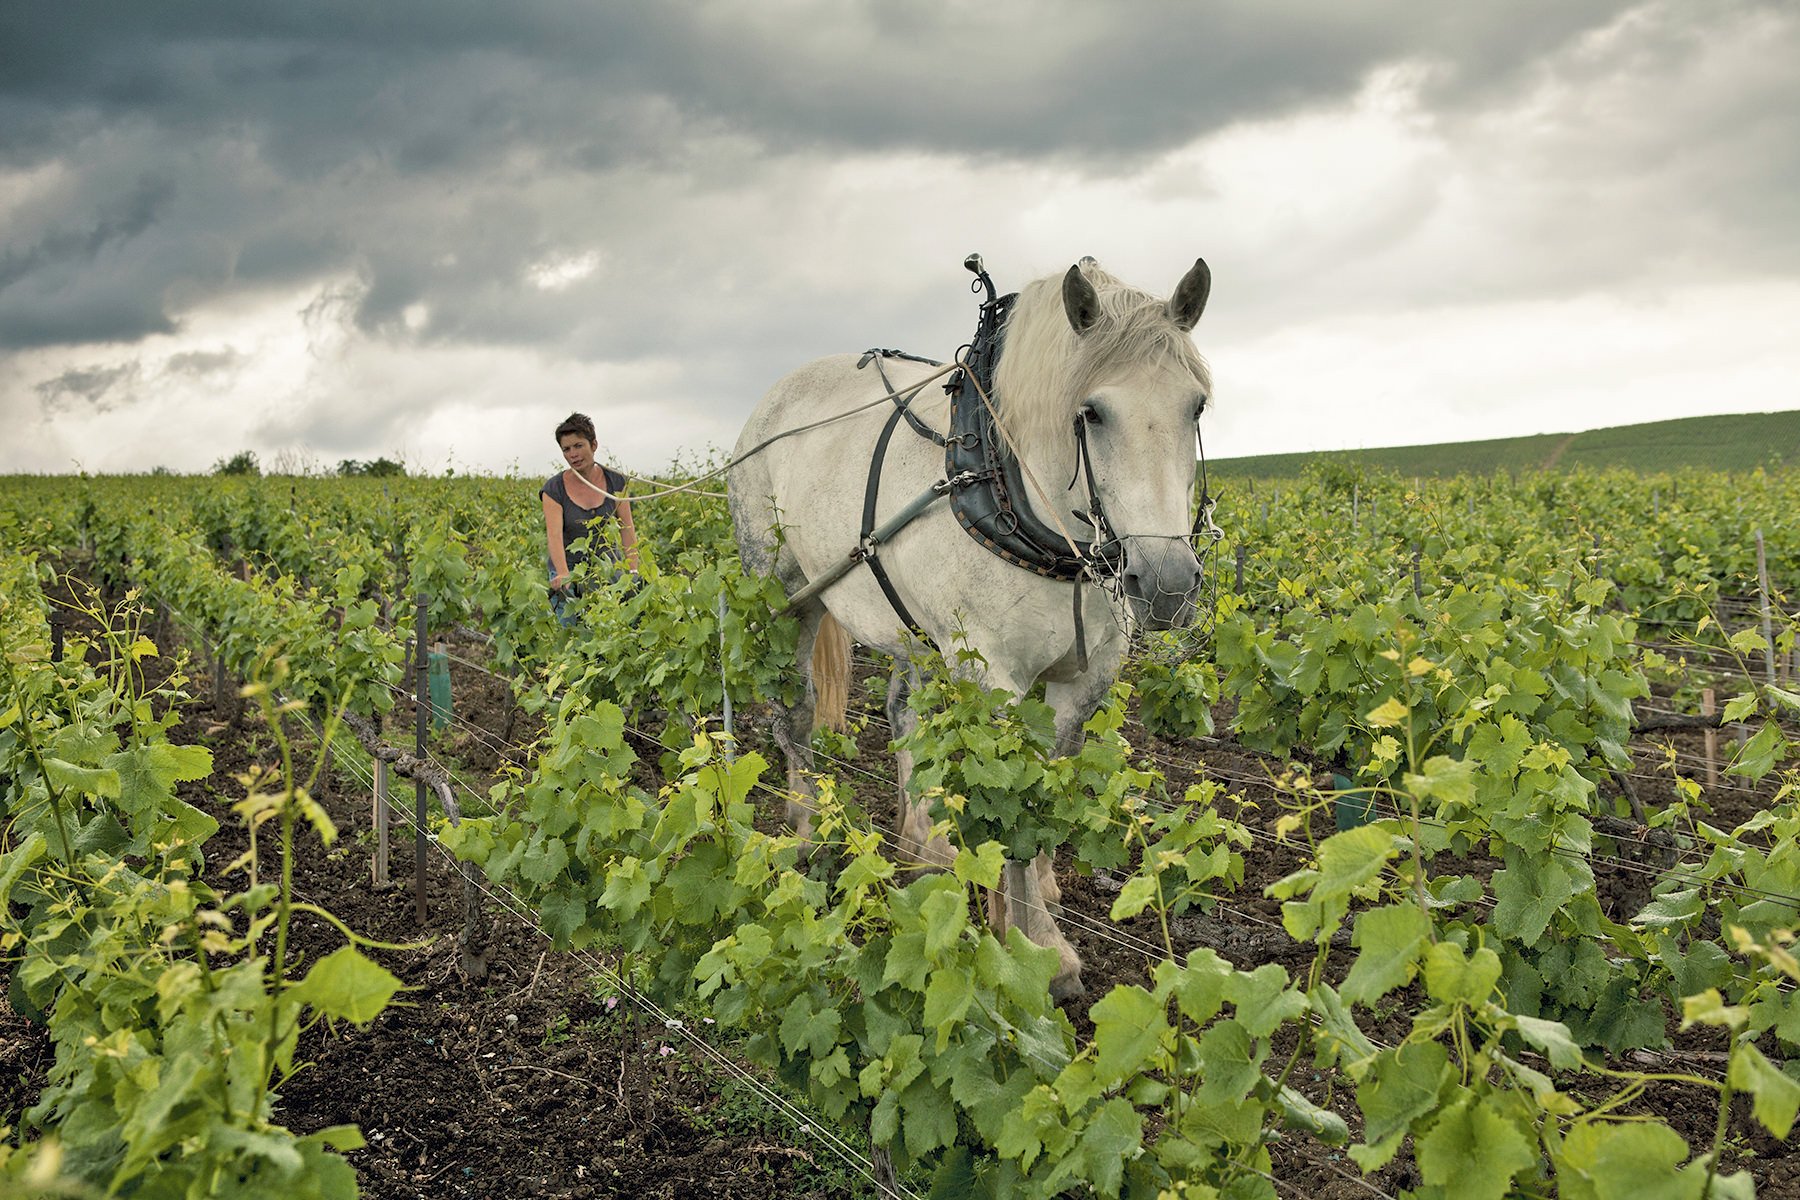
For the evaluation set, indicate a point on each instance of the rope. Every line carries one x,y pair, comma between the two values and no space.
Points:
885,397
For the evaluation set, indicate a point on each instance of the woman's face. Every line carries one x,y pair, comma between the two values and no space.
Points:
578,452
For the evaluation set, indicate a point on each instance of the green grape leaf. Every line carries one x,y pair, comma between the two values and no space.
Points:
1473,1152
1453,979
1129,1024
980,866
1391,939
945,913
906,964
1138,894
927,1117
346,984
1113,1137
1758,755
1624,1161
805,1028
1021,969
1198,984
947,998
1400,1086
1446,780
1232,1063
89,781
1263,999
148,773
1677,908
1352,858
1777,1094
1552,1039
16,861
1528,891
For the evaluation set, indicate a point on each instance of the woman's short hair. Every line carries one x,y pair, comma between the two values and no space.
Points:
576,423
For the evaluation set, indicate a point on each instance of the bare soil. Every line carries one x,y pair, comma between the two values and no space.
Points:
538,1081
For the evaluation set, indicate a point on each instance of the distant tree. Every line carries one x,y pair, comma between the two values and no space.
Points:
380,468
161,470
295,461
242,463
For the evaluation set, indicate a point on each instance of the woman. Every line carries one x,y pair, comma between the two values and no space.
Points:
577,504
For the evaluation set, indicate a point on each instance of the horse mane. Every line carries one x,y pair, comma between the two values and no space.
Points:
1046,370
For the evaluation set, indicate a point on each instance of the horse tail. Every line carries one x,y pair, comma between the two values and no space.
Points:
830,675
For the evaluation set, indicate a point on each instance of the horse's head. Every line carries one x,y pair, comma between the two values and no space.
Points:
1131,385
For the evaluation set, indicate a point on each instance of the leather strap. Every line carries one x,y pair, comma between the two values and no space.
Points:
866,546
903,402
995,510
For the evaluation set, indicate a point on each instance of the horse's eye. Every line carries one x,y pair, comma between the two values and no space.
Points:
1090,414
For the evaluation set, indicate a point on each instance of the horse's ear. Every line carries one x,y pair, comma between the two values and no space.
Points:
1189,300
1080,300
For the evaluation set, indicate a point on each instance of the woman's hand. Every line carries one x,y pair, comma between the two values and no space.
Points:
560,583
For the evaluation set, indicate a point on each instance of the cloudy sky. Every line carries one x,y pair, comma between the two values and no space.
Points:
431,228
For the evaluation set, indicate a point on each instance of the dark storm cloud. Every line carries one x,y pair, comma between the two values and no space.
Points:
103,388
399,141
428,84
45,294
434,151
79,245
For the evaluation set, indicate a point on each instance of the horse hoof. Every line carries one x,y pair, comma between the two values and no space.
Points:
1065,988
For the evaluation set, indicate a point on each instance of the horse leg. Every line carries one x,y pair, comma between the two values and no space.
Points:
912,825
793,727
1023,904
1030,897
1043,870
1023,901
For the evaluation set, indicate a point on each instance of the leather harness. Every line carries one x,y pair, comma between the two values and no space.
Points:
982,477
984,481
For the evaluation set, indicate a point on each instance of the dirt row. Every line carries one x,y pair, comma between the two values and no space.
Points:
539,1081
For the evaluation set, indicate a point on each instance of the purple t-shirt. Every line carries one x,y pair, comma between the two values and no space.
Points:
576,519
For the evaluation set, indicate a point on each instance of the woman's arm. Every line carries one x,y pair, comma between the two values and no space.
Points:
559,561
627,534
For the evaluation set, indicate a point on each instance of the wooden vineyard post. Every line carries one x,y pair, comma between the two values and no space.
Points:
1418,580
56,637
1709,706
725,687
1768,626
380,864
421,730
1355,505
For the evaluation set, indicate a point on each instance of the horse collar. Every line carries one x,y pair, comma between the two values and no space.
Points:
990,499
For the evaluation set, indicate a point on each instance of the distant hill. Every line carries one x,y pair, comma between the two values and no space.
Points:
1727,443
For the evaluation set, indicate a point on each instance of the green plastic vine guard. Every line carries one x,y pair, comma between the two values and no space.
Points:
1353,805
437,674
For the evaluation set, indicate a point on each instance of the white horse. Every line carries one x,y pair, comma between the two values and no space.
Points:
1078,344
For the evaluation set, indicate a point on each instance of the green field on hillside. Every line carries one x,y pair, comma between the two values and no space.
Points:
1739,442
